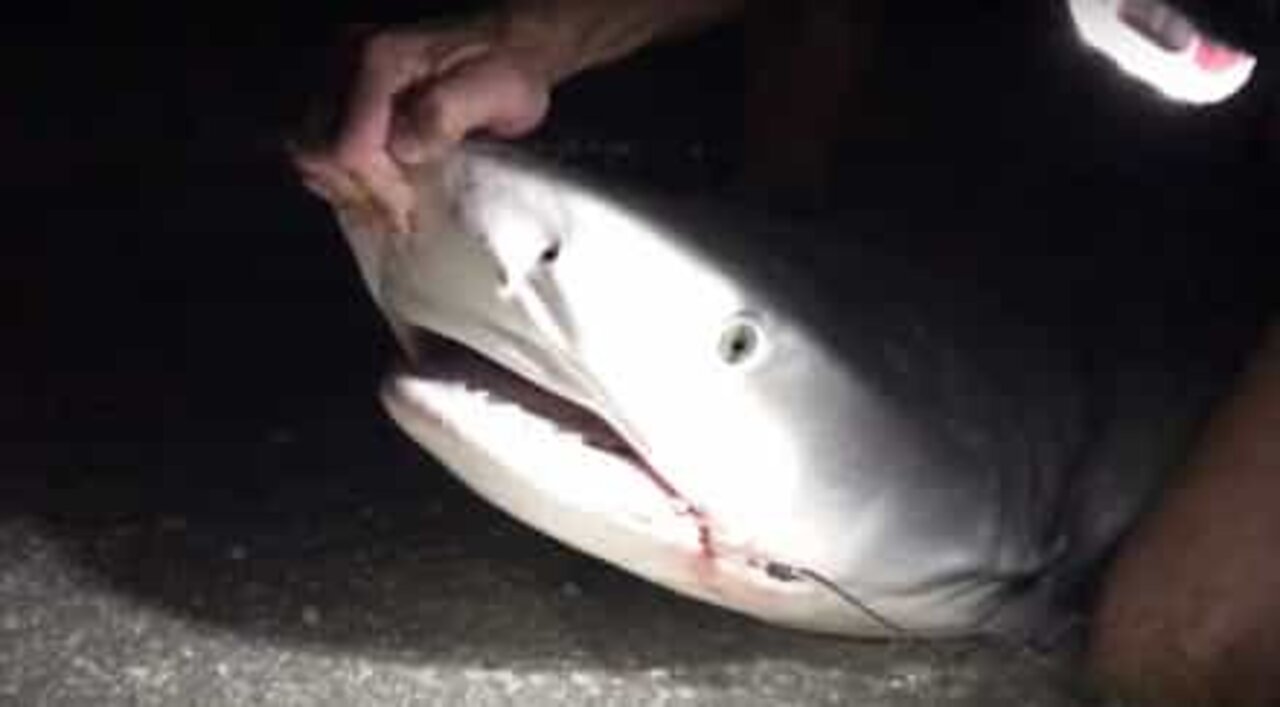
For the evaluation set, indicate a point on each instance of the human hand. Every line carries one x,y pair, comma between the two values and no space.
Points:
416,93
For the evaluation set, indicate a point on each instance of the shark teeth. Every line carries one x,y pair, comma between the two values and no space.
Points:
559,461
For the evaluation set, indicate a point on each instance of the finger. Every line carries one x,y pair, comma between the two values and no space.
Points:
392,62
386,188
362,182
448,55
321,177
377,197
489,94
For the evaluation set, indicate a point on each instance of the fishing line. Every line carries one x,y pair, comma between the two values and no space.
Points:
1023,648
787,573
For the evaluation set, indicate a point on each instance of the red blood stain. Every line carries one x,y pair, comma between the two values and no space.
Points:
699,516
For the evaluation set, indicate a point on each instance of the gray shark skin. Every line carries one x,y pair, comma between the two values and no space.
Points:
775,419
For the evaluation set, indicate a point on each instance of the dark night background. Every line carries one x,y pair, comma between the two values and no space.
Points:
191,360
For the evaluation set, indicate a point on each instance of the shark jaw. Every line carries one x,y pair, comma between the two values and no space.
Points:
563,470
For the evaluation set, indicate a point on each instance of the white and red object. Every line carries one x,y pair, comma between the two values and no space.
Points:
1157,44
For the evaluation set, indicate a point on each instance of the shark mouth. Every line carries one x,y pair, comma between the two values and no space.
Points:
466,388
449,362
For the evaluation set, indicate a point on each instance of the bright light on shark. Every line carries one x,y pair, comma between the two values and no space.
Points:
652,392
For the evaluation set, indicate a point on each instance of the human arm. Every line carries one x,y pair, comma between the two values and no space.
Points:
1190,611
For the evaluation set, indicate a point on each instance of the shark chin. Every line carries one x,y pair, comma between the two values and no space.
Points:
563,470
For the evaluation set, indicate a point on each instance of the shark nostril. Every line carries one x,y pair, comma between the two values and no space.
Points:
740,342
550,254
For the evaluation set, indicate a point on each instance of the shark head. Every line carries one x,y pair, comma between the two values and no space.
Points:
642,385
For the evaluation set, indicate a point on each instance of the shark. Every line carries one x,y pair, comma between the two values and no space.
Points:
742,407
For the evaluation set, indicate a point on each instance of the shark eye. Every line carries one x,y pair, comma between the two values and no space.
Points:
741,342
